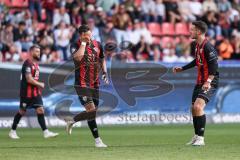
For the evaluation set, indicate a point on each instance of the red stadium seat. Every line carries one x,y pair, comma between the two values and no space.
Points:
166,40
156,40
177,40
181,29
155,29
168,29
7,3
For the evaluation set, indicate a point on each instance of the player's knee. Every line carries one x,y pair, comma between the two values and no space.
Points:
90,108
40,110
197,107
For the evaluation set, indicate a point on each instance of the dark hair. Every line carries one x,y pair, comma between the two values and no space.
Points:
34,46
22,23
83,28
202,26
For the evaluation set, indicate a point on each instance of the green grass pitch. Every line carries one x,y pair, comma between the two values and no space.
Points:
163,142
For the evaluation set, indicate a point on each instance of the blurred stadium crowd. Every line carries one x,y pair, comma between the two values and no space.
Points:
158,29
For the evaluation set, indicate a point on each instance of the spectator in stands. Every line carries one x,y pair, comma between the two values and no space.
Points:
36,5
100,21
145,33
106,5
108,32
148,10
33,31
172,10
160,11
48,56
89,13
196,8
235,42
185,11
62,37
25,16
45,38
185,58
121,19
134,32
235,25
209,5
139,29
76,19
169,54
183,46
224,6
211,20
224,23
49,6
21,38
232,14
130,7
61,15
7,43
170,57
142,50
225,49
236,5
156,53
94,29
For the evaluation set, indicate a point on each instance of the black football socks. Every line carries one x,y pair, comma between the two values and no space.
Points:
16,120
195,125
200,123
41,121
93,127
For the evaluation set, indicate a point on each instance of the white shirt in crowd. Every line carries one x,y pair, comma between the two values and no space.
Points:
196,7
147,6
170,58
160,9
57,18
62,37
185,59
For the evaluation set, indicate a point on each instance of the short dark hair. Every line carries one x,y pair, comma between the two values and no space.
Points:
83,28
22,23
202,26
34,46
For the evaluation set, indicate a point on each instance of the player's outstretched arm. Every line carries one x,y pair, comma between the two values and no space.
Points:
32,81
186,67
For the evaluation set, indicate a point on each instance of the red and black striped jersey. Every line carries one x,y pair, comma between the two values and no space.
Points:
28,90
206,59
87,71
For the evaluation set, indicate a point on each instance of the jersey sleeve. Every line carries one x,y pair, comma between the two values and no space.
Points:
27,68
101,55
210,53
189,65
211,57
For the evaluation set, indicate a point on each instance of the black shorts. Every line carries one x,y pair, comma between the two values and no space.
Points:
28,103
88,95
198,92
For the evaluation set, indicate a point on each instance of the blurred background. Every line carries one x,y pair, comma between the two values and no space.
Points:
158,31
